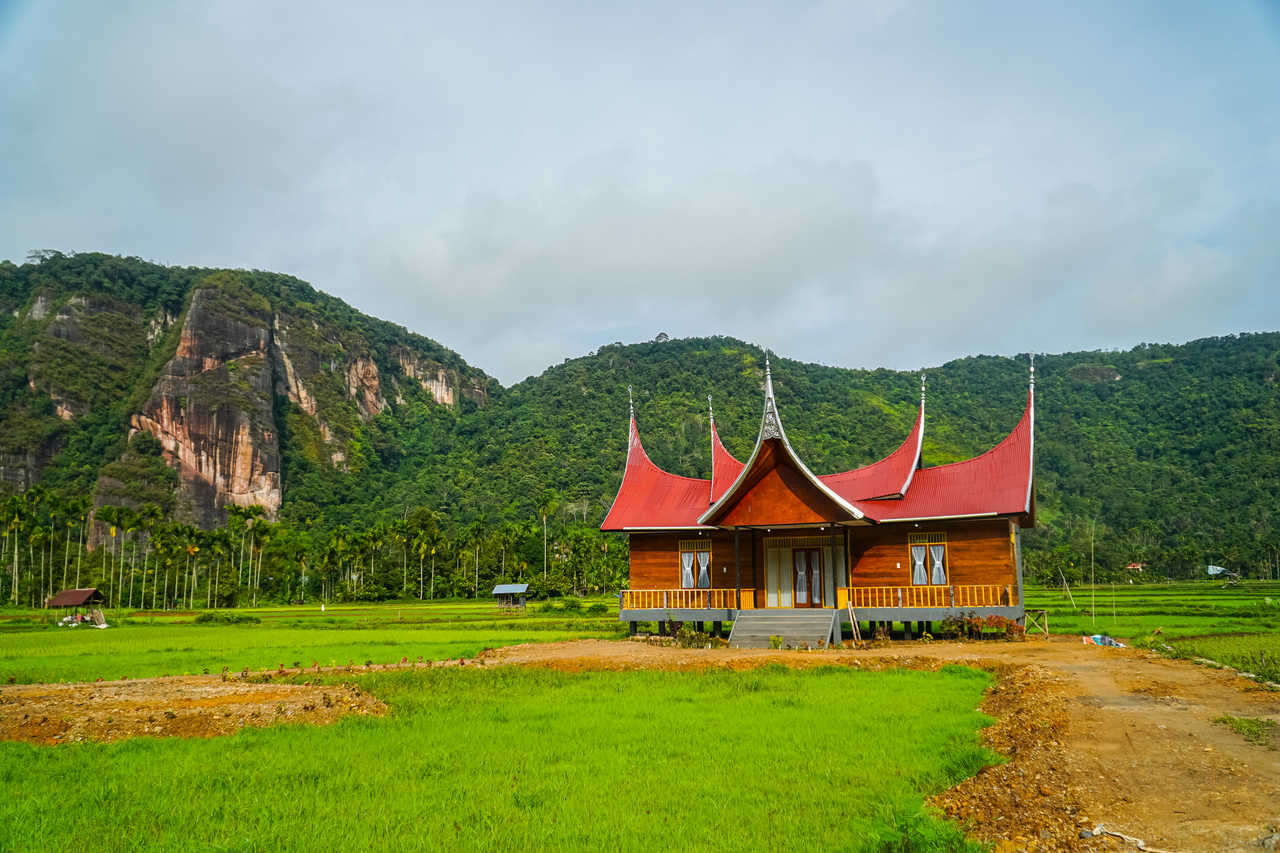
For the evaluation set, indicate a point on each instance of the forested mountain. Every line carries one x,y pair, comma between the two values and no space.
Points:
245,387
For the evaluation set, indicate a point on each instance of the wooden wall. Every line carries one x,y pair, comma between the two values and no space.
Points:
655,560
979,551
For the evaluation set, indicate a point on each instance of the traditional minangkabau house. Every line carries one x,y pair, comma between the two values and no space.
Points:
890,542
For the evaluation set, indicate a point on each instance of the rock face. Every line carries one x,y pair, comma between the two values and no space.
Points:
215,407
234,373
212,410
445,384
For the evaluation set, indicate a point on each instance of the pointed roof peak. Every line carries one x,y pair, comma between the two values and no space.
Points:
631,403
711,413
922,378
1031,357
771,424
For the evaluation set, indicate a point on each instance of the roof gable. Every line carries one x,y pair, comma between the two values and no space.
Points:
772,450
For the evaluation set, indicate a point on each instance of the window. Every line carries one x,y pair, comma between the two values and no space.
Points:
929,561
695,563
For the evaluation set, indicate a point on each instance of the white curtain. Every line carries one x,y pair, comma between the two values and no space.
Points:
802,577
686,569
704,576
918,572
939,570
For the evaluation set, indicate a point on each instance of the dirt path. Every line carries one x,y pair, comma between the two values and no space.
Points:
1117,737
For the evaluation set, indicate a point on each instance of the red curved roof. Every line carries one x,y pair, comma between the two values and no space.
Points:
889,477
999,482
725,467
650,497
996,483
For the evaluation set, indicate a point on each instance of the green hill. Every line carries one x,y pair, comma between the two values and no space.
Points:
259,389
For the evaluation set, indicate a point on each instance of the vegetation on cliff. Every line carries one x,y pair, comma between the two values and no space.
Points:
370,445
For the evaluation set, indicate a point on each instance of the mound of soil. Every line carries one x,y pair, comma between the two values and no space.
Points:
187,706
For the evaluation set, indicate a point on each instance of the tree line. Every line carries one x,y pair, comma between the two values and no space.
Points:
139,560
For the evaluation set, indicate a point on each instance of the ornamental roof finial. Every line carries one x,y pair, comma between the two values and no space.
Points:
711,413
1032,358
631,403
922,378
768,377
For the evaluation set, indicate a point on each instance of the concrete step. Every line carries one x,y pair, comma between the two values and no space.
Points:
754,629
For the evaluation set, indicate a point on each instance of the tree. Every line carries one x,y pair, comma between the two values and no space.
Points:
547,502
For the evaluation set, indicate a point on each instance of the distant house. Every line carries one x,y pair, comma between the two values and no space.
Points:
1136,567
511,596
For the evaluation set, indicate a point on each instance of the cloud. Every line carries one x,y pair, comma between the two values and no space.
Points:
870,184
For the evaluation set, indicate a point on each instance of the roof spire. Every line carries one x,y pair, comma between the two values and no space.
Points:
1032,358
631,403
771,426
711,413
922,378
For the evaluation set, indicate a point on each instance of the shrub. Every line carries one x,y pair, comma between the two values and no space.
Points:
689,637
598,609
223,617
571,605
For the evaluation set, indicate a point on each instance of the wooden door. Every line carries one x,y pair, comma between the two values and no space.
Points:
807,577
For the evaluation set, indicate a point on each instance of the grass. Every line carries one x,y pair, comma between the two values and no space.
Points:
1255,653
1178,610
140,645
509,759
1253,729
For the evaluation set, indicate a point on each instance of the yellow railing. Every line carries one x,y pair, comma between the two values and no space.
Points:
686,599
969,595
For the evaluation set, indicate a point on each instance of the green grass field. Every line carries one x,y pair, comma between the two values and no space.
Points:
513,759
1178,610
139,645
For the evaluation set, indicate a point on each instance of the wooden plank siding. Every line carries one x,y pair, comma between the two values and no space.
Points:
979,551
655,560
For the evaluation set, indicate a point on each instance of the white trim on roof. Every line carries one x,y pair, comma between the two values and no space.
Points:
771,427
915,463
1031,466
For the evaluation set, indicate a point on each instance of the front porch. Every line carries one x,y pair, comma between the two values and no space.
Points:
871,604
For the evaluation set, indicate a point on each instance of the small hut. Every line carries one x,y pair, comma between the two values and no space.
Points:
74,599
511,596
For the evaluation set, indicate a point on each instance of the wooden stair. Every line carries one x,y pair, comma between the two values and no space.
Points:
798,629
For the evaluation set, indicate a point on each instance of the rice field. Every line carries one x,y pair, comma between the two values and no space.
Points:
518,759
1176,610
141,645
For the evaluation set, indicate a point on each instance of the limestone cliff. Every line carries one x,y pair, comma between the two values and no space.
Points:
244,378
211,409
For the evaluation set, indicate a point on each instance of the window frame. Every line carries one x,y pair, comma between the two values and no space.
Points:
694,546
926,539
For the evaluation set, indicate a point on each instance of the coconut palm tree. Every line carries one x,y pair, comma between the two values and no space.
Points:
547,503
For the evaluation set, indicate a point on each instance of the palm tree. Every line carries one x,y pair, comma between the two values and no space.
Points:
400,533
546,506
130,521
108,515
475,535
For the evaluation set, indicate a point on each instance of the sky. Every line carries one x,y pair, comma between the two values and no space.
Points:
884,183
